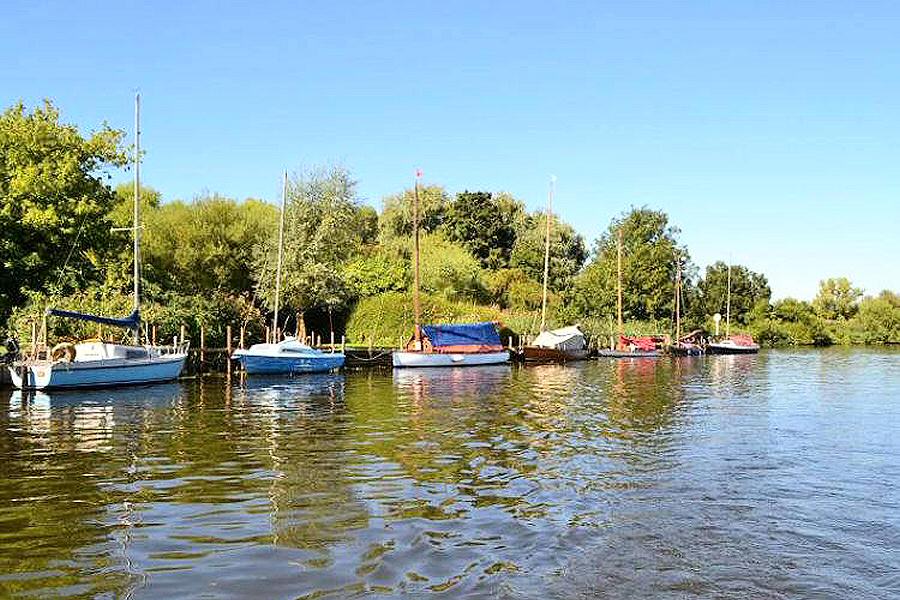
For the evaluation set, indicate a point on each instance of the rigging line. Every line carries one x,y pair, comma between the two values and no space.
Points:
71,250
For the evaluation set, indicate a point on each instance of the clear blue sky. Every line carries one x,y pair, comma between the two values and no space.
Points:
767,130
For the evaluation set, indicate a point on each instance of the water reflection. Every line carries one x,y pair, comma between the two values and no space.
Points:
717,477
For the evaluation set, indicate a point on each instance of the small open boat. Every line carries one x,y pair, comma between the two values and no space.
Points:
288,356
557,345
735,344
456,345
635,347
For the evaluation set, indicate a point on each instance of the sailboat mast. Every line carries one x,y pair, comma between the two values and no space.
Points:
678,302
416,307
619,278
728,304
547,256
136,225
280,256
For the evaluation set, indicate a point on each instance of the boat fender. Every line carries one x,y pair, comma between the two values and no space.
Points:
64,351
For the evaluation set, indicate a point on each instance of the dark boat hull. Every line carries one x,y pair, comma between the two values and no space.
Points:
627,354
731,349
550,355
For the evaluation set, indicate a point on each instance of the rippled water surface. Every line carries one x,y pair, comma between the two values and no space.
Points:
770,476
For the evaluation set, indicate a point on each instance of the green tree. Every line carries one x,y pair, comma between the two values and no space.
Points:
567,251
397,211
879,317
449,270
650,251
54,201
486,225
320,235
749,290
837,299
376,272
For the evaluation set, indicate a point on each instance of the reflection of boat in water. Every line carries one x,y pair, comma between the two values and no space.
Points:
153,394
452,382
284,392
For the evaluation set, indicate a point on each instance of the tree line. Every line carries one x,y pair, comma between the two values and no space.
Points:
211,261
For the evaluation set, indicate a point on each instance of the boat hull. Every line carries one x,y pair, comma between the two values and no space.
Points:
101,373
552,355
403,358
627,354
731,349
290,365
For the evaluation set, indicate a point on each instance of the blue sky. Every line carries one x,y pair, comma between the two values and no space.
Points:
767,130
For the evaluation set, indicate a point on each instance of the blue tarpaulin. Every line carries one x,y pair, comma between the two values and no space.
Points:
132,321
470,334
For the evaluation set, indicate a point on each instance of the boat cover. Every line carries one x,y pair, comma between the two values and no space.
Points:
742,340
566,338
643,344
468,337
130,322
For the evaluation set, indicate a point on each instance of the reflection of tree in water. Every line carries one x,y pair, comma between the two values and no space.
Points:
644,393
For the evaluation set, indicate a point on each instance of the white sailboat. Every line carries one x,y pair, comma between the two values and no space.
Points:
96,363
451,345
287,356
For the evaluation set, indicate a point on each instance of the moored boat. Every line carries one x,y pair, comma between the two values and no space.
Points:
635,347
735,344
557,345
454,345
288,356
95,363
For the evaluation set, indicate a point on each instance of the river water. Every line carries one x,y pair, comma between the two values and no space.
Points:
769,476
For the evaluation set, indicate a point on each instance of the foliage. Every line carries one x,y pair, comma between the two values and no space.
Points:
53,201
748,290
205,245
377,272
486,225
650,250
320,235
397,212
514,289
837,299
879,318
447,269
791,322
567,251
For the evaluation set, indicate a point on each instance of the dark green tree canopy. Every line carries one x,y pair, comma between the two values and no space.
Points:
748,290
567,251
54,199
486,225
650,253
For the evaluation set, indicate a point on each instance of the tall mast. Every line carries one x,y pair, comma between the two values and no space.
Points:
547,255
280,256
416,307
619,295
678,302
728,304
136,225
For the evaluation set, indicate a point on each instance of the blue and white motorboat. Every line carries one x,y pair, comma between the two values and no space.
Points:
287,357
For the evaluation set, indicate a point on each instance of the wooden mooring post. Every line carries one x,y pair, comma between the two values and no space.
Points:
242,337
202,348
